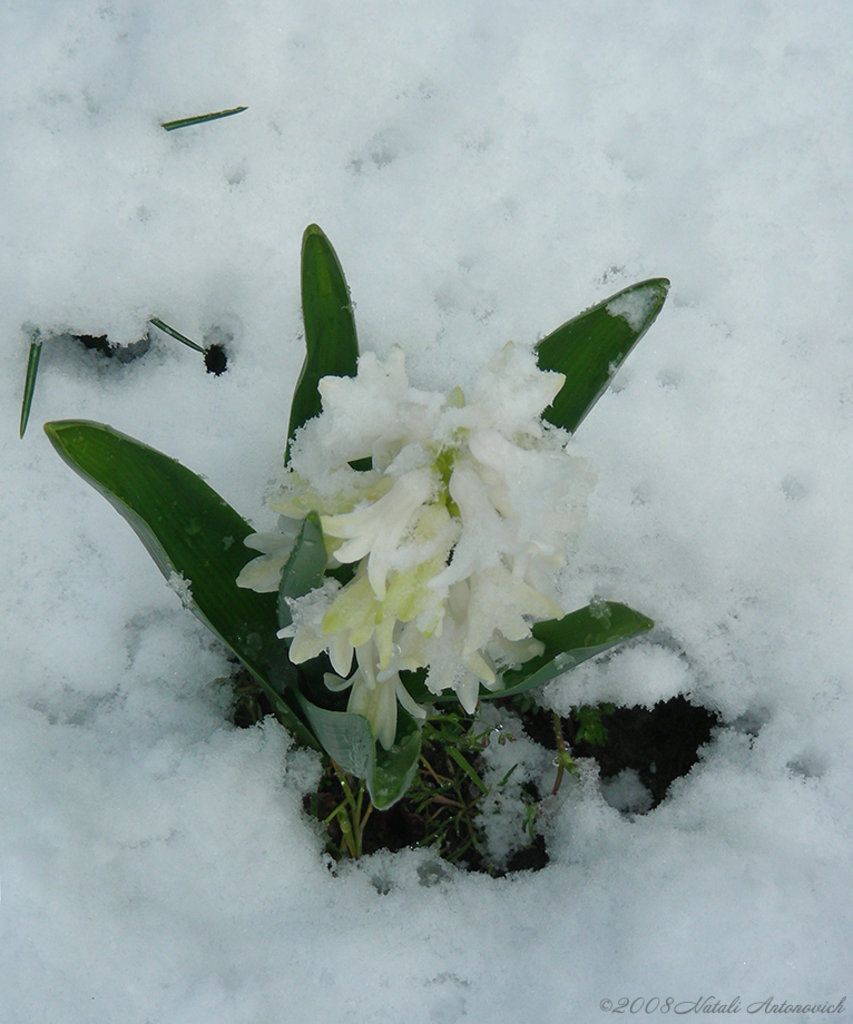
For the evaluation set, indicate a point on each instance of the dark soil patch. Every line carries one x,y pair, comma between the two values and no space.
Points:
104,347
215,355
661,744
216,360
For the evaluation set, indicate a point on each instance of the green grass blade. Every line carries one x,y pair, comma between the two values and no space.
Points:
330,339
590,348
185,122
193,535
182,338
30,384
466,767
575,638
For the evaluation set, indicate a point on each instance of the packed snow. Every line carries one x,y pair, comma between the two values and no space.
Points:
484,171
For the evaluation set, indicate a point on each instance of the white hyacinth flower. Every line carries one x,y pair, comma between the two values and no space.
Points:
375,695
467,512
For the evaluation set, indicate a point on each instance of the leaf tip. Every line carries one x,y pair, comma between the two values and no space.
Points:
52,430
313,231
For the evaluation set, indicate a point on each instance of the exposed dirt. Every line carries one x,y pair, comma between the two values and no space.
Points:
660,744
215,356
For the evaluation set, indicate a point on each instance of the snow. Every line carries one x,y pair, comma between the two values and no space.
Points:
485,171
626,792
182,587
634,308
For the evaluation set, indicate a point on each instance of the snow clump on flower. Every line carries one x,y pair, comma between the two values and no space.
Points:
470,506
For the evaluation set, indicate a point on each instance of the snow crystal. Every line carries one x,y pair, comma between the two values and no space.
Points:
626,792
634,307
181,586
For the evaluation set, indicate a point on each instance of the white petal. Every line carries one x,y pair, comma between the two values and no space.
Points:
263,574
408,703
468,693
336,683
340,653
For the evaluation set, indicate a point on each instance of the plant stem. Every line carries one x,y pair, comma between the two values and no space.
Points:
350,818
564,758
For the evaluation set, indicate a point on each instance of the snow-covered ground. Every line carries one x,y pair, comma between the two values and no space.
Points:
485,171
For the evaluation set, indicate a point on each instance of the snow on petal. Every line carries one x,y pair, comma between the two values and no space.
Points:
456,530
375,532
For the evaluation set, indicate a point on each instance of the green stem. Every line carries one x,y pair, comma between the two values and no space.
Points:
564,758
349,813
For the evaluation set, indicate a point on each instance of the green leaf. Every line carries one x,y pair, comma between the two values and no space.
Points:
394,769
589,727
185,122
330,340
30,384
590,348
347,739
576,637
466,767
196,541
304,569
571,640
182,338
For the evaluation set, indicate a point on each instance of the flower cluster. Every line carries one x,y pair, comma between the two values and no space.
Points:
455,532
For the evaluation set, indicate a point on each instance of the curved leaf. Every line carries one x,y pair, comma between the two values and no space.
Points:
304,569
347,739
590,348
576,637
394,769
331,347
196,541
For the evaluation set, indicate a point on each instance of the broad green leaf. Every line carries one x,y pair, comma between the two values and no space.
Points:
330,341
196,541
590,348
347,739
304,569
571,640
30,384
568,641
